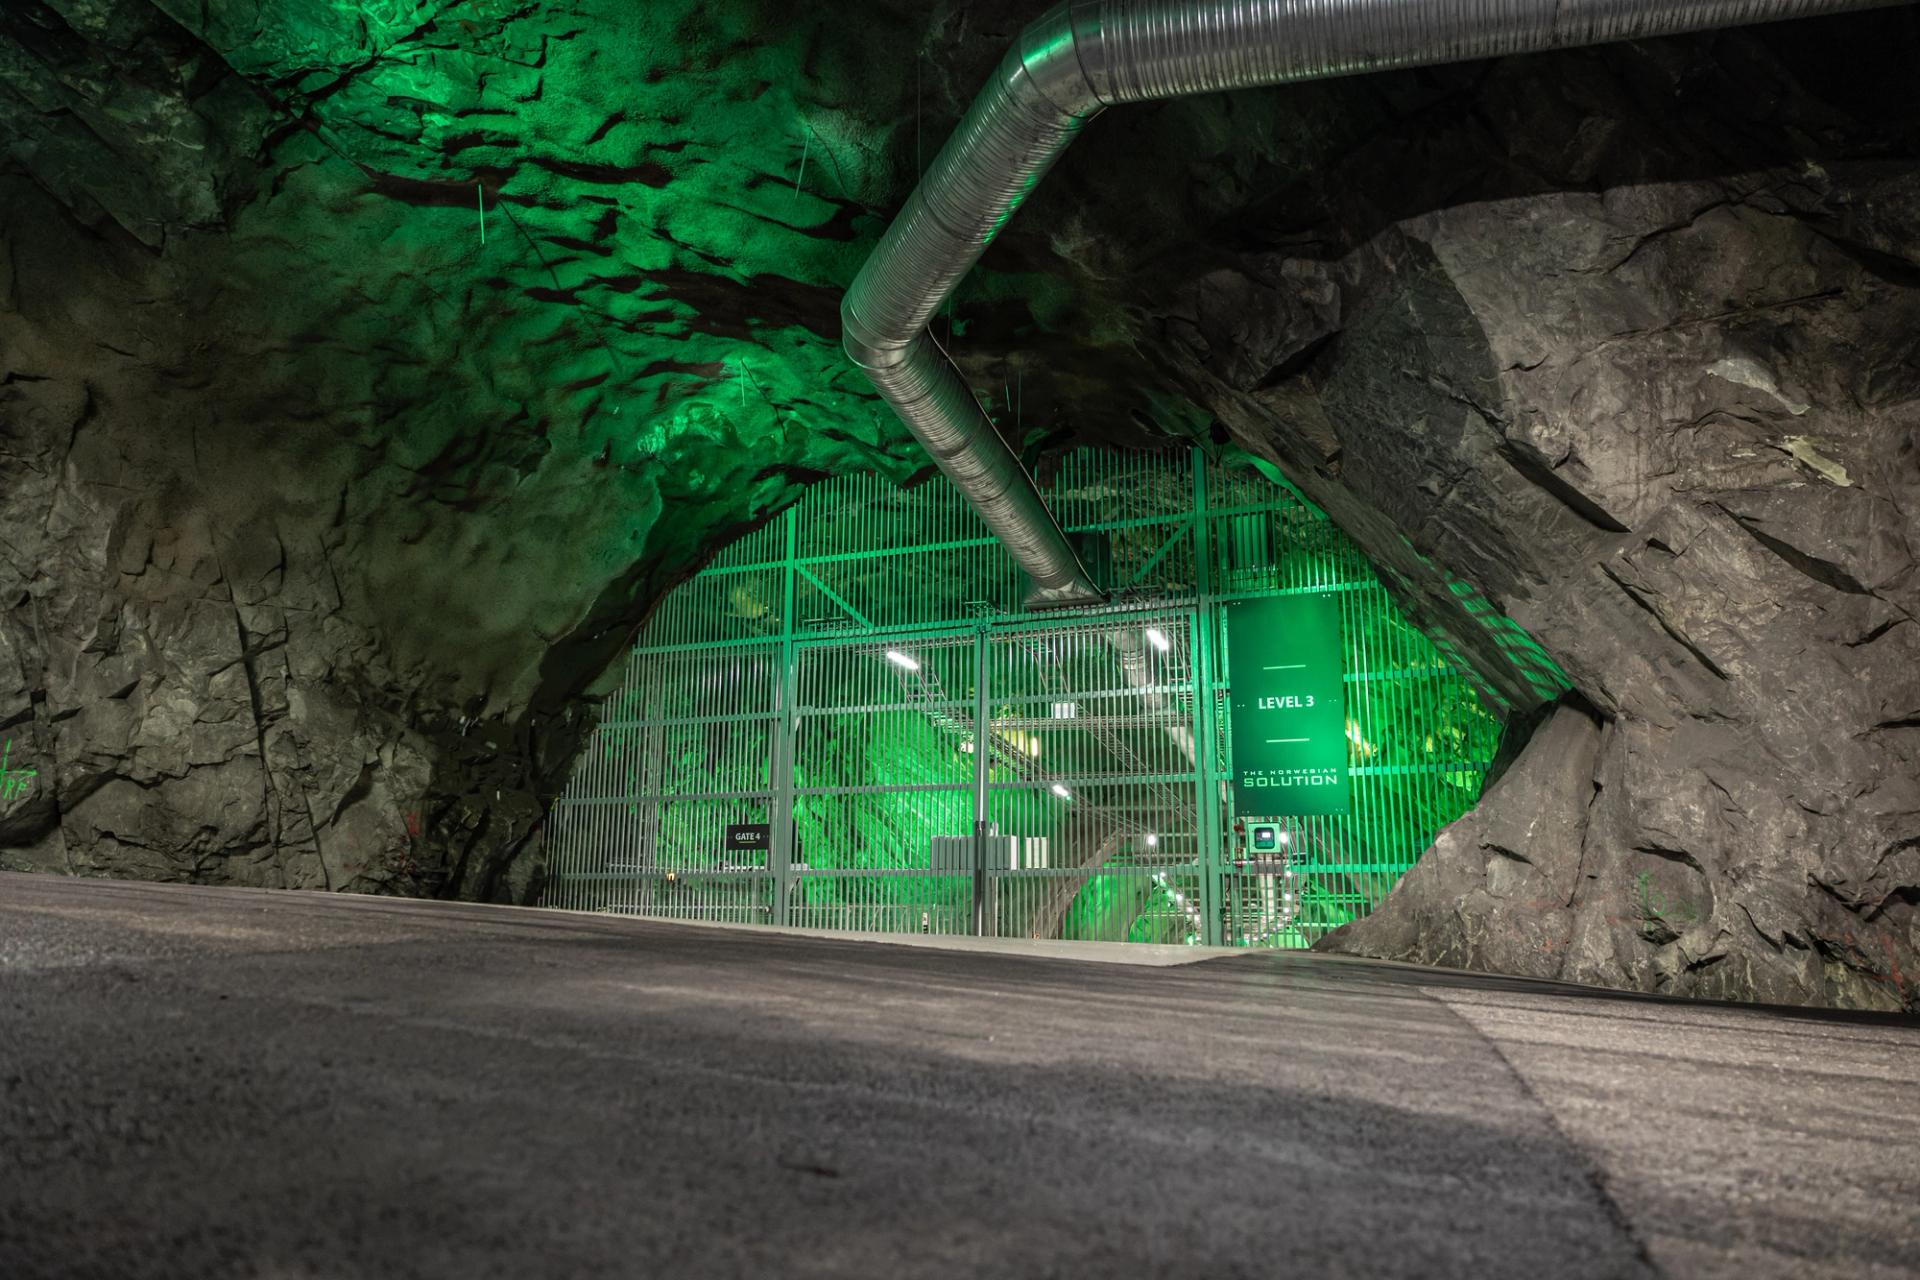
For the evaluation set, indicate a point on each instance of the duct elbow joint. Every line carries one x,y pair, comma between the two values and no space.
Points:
871,351
1052,55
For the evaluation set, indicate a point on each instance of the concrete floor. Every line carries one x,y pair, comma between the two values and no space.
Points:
203,1082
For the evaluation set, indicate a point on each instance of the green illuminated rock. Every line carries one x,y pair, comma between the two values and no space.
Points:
367,369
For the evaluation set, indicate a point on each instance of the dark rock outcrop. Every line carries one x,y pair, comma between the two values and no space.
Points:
366,372
1672,428
1676,439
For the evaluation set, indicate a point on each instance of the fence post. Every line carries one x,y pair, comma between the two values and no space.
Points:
786,725
1206,628
982,761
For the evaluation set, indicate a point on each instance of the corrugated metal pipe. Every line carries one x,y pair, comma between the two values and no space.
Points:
1086,55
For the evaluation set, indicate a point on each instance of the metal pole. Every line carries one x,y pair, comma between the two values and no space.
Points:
982,758
786,724
1206,626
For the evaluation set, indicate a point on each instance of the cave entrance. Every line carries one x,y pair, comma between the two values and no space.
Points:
848,721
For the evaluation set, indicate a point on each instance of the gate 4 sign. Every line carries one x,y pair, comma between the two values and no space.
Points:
748,837
1285,661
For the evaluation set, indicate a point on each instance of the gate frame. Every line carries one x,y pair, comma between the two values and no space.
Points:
1201,621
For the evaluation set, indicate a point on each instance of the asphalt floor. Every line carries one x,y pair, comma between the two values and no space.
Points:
206,1082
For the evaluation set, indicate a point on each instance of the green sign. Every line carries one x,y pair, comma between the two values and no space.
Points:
1285,661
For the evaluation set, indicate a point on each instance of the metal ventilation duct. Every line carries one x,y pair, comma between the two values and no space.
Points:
1086,55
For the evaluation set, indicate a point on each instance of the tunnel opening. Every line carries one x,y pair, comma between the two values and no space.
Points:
849,720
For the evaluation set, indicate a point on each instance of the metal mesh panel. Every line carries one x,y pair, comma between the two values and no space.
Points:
858,677
1093,773
853,552
881,768
684,752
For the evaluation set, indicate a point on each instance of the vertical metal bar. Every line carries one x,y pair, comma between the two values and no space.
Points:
785,726
1205,625
983,647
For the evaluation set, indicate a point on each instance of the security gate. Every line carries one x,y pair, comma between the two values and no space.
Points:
1028,780
683,756
847,722
1096,780
880,778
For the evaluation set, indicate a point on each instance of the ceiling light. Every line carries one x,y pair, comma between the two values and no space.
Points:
1062,792
1158,639
902,661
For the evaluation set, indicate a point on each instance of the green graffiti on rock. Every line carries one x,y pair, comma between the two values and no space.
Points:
13,782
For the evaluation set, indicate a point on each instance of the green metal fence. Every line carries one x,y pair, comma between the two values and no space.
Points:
858,677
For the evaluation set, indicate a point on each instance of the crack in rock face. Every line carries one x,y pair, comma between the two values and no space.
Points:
368,371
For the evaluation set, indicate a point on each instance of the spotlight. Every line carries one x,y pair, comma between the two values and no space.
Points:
1285,838
1158,639
1153,841
902,661
1062,792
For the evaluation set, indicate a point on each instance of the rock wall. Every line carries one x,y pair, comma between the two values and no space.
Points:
1669,424
209,651
1675,437
365,373
367,370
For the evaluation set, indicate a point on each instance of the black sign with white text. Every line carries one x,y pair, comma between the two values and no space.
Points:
749,837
